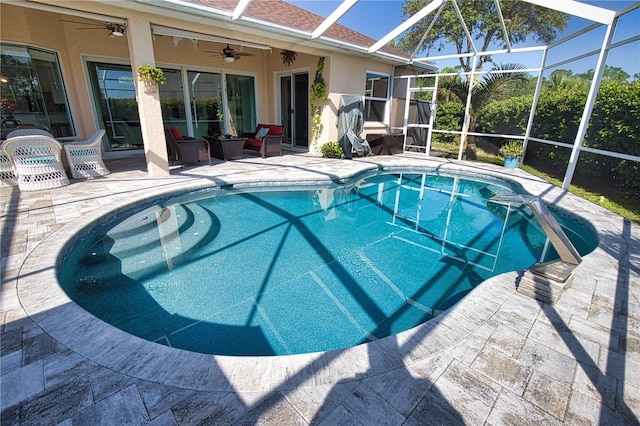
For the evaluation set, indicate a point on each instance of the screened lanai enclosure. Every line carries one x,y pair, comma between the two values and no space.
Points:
561,77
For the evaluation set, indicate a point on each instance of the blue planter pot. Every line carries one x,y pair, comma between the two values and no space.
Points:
511,162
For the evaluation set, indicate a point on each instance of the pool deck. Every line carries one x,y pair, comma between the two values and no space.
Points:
499,357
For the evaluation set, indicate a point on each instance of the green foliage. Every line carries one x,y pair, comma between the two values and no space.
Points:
525,20
509,116
511,149
151,73
614,126
331,150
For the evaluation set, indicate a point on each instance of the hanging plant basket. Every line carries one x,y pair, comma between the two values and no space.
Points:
288,57
151,76
150,87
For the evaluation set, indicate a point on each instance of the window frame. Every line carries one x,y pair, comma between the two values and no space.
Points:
368,96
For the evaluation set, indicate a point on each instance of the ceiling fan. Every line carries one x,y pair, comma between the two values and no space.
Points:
114,30
230,55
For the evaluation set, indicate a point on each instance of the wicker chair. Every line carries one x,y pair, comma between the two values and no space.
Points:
8,175
7,172
37,162
85,157
28,131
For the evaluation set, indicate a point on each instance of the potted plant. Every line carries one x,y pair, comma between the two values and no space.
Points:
331,150
152,76
512,151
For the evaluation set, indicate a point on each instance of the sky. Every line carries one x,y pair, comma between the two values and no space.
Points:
375,18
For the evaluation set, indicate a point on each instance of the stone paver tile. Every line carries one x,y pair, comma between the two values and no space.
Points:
429,412
274,410
565,342
628,398
506,319
54,404
38,347
11,361
465,393
400,389
507,340
522,307
165,419
600,335
575,302
20,384
315,403
591,381
468,348
620,366
370,408
158,398
340,417
550,362
511,409
66,366
549,394
11,341
583,410
209,408
503,369
124,407
106,382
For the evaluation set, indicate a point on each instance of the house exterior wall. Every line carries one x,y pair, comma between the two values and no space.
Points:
344,73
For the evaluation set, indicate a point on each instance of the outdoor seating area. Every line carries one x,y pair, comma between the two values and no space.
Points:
37,162
185,150
226,148
267,139
85,157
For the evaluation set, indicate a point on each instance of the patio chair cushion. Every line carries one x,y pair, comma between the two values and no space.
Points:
177,135
272,130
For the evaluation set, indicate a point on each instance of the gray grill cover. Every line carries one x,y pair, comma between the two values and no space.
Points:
350,125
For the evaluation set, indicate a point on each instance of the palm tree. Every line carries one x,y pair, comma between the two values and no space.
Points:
488,88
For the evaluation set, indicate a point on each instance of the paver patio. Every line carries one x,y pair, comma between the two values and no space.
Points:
498,357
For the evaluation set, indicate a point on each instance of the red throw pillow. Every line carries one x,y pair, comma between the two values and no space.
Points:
176,134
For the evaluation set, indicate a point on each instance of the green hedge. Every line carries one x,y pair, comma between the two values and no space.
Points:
614,126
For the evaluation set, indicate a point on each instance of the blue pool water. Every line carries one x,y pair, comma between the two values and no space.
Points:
297,270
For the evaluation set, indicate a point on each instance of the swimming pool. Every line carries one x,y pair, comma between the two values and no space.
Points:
297,270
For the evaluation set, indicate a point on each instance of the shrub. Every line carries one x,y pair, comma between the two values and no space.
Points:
331,150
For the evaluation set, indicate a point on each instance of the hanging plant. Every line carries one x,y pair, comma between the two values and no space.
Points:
288,57
150,73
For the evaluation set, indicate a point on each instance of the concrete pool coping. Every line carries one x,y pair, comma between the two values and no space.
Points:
106,346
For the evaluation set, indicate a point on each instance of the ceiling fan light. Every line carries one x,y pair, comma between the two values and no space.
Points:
229,59
116,33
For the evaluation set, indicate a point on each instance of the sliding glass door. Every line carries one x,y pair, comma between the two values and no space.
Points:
115,96
241,100
294,109
32,92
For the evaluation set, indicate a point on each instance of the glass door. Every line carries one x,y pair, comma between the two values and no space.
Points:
205,93
115,97
294,109
241,101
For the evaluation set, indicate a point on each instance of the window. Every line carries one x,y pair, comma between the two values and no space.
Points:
32,91
376,94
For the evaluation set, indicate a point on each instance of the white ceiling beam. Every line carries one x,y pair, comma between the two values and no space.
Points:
576,8
333,18
405,25
174,32
240,9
